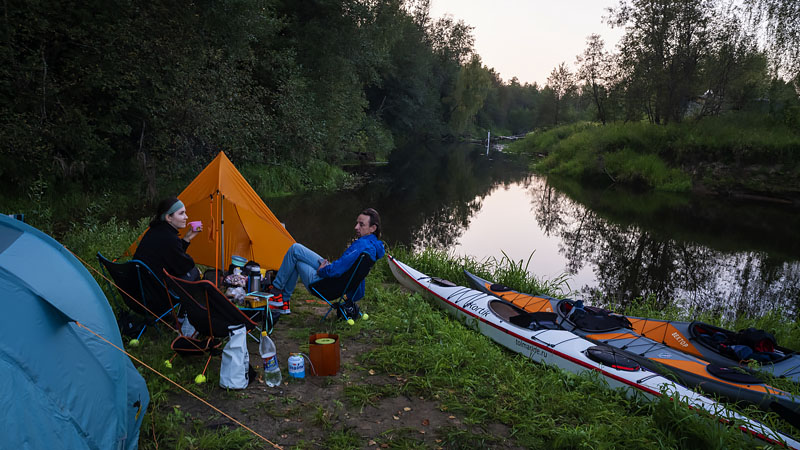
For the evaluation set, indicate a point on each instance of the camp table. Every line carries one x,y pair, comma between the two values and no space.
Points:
255,303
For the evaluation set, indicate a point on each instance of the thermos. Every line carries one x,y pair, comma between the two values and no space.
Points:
254,279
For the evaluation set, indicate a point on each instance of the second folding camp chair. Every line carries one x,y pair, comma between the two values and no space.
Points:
336,291
142,292
209,311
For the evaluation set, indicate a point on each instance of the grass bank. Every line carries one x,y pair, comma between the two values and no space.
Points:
750,152
462,391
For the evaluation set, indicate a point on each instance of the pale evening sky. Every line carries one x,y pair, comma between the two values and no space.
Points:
528,38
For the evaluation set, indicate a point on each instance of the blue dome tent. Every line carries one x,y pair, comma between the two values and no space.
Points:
62,387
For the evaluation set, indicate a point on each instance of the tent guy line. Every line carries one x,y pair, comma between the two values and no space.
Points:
179,386
161,318
115,285
49,395
152,369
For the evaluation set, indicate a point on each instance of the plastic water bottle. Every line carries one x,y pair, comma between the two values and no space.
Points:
272,373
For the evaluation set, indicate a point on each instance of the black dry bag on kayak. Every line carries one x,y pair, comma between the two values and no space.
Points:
758,340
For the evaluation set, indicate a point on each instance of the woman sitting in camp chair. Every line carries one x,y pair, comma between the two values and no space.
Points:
161,247
311,267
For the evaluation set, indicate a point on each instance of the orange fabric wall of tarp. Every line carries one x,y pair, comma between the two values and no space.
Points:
251,230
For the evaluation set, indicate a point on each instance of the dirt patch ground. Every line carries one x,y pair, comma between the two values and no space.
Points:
316,412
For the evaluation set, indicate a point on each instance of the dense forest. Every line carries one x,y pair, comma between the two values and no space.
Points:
99,91
122,91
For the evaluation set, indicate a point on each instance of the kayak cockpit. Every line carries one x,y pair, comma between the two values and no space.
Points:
523,319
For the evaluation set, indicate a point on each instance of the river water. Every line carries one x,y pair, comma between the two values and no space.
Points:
608,244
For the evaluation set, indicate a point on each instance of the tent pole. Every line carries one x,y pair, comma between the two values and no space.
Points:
214,214
222,238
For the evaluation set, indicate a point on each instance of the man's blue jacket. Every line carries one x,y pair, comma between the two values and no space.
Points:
369,244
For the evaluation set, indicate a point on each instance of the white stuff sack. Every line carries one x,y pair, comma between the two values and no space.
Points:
187,329
235,359
236,294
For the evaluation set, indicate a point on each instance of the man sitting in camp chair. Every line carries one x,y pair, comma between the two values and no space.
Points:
310,267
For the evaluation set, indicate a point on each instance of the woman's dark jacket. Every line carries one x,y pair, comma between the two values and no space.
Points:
162,248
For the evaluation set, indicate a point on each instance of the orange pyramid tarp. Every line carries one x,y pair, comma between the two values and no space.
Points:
235,220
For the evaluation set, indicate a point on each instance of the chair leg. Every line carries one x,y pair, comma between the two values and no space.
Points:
339,306
331,306
344,312
328,312
159,319
144,327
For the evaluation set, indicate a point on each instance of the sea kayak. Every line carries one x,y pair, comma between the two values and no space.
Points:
722,347
539,337
603,327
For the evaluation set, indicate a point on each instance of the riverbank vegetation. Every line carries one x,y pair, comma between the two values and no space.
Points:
744,151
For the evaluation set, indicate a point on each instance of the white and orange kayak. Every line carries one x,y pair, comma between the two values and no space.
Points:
604,327
540,337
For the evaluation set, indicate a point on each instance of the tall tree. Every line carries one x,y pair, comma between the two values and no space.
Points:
469,94
733,71
561,82
781,19
494,113
660,51
593,68
525,103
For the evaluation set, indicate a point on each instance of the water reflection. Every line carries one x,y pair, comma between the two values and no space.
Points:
426,195
713,270
615,245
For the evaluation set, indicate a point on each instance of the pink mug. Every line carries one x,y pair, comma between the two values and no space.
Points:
196,225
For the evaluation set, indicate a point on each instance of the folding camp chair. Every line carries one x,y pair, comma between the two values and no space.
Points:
142,292
337,290
209,311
